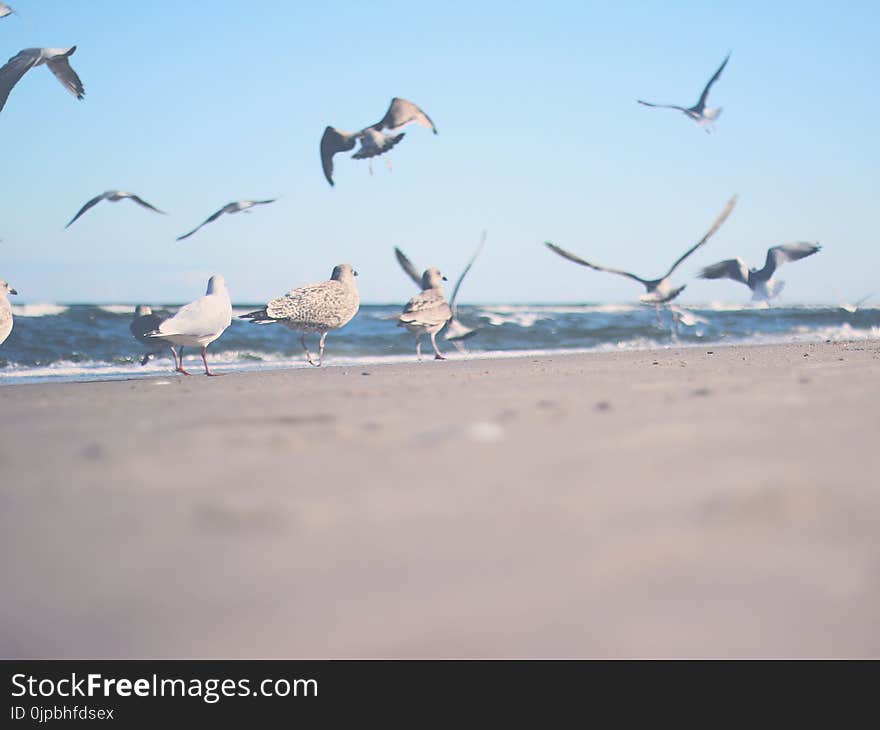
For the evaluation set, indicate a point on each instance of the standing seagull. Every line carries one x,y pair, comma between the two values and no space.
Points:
659,290
198,323
146,321
113,196
237,207
6,10
455,330
373,141
699,112
55,58
760,281
427,312
317,308
5,311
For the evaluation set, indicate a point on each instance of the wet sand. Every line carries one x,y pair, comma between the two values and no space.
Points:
719,501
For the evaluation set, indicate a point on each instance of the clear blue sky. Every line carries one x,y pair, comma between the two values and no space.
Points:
195,104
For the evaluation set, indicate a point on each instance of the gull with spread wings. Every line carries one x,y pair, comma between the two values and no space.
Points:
113,196
237,207
764,287
6,10
374,141
57,59
699,112
658,291
455,331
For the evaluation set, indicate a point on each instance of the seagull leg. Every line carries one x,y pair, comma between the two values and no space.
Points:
419,348
321,349
371,166
205,360
659,320
179,368
437,354
174,355
389,165
305,347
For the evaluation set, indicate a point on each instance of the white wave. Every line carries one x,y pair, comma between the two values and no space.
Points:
38,310
117,308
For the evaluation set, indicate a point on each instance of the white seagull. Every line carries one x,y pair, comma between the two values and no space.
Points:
764,287
198,323
5,311
699,112
6,10
317,308
55,58
455,330
237,207
658,291
427,312
113,196
373,141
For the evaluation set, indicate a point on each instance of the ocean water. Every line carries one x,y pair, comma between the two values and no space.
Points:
84,342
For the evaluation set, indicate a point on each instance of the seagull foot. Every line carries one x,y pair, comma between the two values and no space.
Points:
439,357
182,371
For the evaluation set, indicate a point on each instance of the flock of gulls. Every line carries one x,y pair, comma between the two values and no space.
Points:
329,305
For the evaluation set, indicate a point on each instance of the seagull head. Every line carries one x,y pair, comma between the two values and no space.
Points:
432,278
6,289
216,284
142,310
343,272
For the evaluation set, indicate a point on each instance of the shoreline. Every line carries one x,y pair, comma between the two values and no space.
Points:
665,502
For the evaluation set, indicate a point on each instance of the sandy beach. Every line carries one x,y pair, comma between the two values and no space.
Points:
715,501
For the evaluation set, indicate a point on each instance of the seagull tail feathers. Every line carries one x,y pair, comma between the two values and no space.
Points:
259,316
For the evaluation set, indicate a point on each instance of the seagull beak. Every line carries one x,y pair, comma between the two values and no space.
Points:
12,291
444,278
355,273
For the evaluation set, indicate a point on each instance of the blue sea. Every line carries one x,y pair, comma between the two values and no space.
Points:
55,342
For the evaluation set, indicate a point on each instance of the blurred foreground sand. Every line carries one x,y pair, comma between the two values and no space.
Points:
720,501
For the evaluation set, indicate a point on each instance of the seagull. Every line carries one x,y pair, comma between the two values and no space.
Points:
146,320
113,196
659,290
237,207
455,330
5,310
699,112
55,58
760,281
853,308
427,312
315,308
6,10
198,323
373,141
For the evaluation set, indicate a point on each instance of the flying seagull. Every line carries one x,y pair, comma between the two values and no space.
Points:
658,291
5,311
113,196
373,141
764,287
237,207
55,58
455,330
699,112
6,10
317,308
197,324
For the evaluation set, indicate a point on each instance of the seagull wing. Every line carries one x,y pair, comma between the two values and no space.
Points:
735,269
264,202
715,226
334,141
145,204
661,106
701,104
60,66
403,112
779,255
578,260
209,219
452,302
15,68
88,206
408,267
